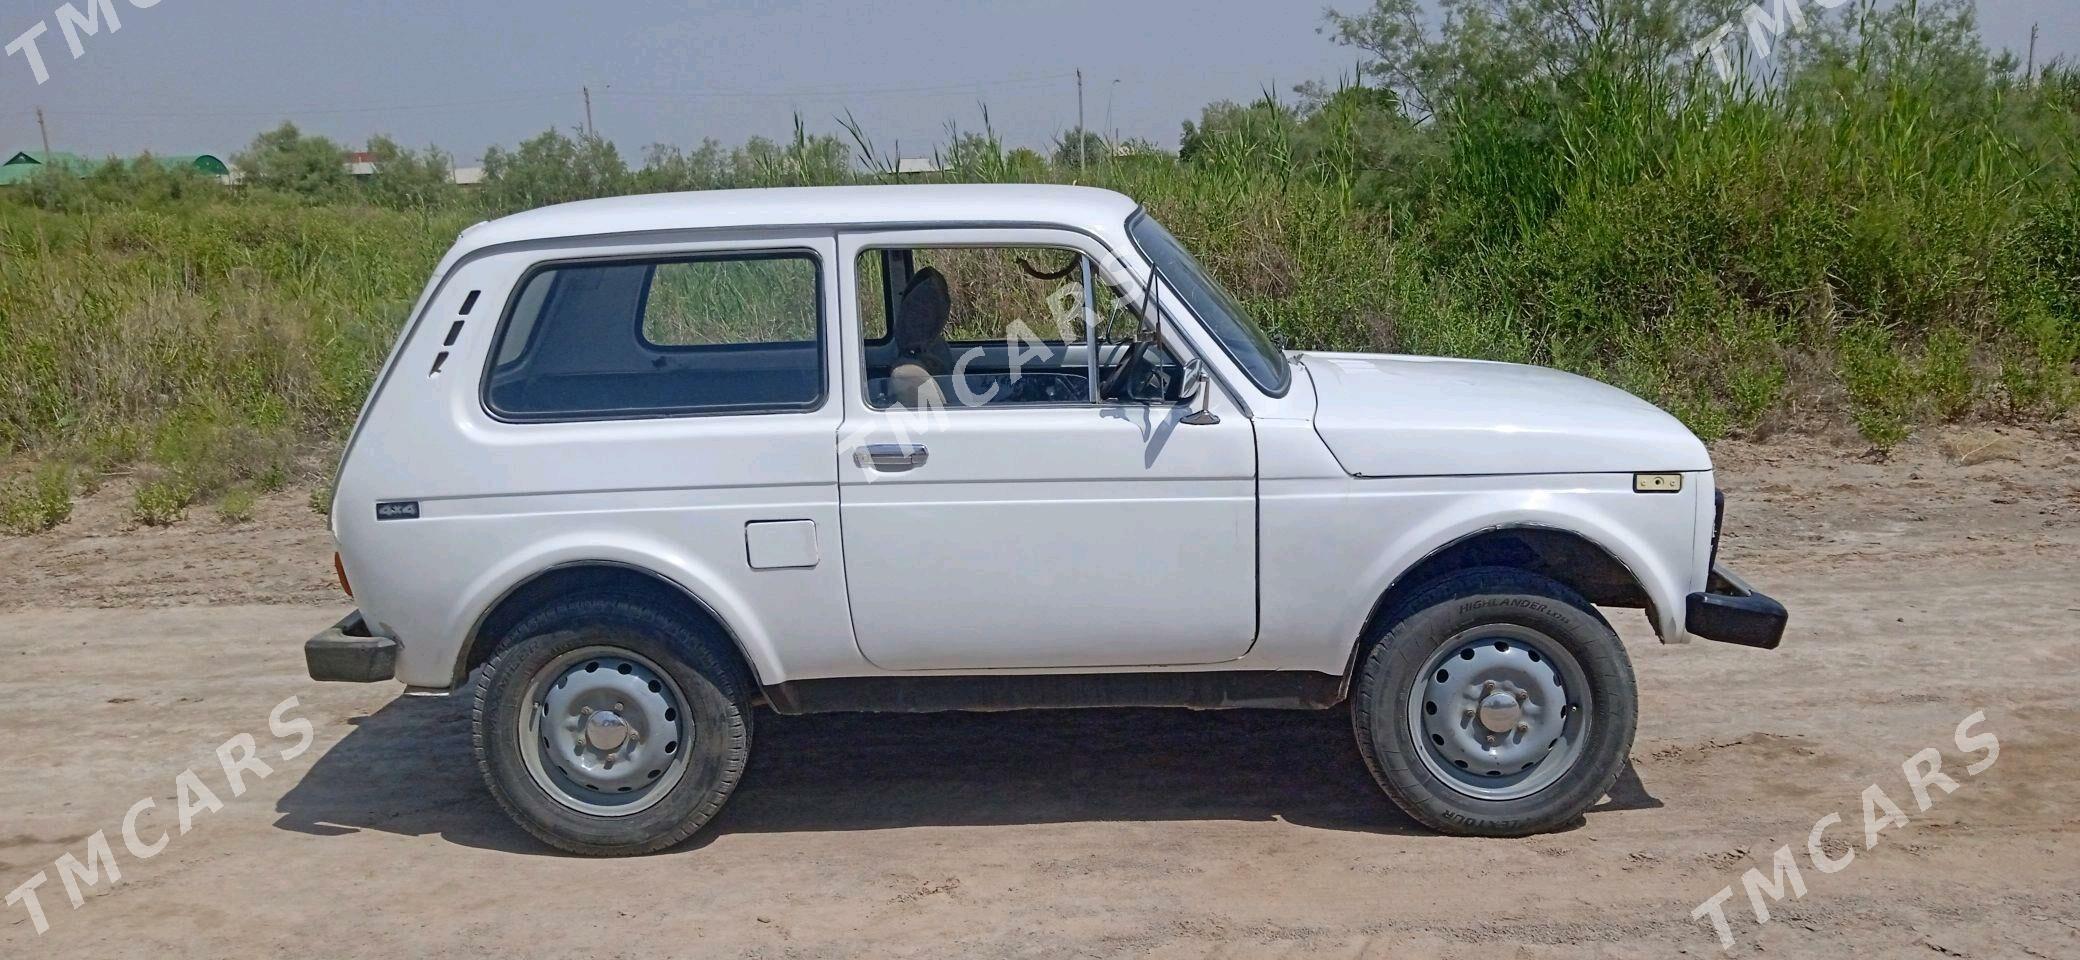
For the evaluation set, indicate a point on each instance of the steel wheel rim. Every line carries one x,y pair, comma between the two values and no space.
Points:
1500,712
605,731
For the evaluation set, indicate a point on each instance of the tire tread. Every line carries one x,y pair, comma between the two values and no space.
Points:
1389,658
697,650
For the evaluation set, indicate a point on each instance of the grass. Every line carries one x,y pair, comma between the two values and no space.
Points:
162,502
1889,237
216,342
237,506
37,503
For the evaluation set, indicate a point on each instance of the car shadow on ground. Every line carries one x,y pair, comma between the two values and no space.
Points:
408,769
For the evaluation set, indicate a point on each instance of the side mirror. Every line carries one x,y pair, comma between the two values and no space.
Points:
1199,392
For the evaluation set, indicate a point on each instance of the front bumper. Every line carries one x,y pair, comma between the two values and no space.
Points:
1730,611
349,653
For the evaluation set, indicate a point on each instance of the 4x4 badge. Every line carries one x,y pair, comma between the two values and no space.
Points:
400,510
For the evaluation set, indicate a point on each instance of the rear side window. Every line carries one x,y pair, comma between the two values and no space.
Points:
601,340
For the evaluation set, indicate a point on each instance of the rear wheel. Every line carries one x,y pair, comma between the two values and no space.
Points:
609,728
1500,703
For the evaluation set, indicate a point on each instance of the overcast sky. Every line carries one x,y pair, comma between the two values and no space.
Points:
189,76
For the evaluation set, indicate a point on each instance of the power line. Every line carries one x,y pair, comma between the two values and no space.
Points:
537,96
313,111
843,92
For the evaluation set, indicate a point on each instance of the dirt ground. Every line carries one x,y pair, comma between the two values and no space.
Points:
1921,590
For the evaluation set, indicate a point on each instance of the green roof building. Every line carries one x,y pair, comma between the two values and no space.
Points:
27,164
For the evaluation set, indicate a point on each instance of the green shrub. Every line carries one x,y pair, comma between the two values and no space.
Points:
320,500
1946,374
37,503
236,506
1880,385
162,503
1755,390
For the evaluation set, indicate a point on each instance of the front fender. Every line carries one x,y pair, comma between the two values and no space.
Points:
1652,536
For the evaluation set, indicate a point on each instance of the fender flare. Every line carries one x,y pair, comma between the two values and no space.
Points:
727,610
1660,585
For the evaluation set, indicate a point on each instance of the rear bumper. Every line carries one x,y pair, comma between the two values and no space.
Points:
349,653
1730,611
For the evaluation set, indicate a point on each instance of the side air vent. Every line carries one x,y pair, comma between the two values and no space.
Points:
454,332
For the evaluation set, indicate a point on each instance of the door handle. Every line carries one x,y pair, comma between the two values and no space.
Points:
890,457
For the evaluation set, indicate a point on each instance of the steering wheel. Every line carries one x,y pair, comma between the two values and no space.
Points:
1115,384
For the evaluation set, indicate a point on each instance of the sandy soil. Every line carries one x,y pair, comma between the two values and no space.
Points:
1921,591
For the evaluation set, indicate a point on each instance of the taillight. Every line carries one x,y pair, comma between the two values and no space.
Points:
339,567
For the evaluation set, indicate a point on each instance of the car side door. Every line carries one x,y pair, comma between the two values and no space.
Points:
1026,524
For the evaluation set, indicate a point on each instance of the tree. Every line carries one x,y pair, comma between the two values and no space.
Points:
284,159
1025,165
975,156
805,161
1476,46
669,169
1079,148
145,181
553,168
1258,134
410,179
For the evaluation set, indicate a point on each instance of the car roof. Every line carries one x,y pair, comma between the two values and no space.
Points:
879,205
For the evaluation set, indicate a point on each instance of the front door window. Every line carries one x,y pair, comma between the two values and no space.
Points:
980,326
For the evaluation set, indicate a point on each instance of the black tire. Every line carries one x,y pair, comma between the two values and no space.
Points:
1415,631
705,671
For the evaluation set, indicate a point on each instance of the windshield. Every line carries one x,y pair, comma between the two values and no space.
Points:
1244,341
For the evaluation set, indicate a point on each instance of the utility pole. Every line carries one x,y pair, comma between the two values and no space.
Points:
1083,160
2029,73
44,129
588,113
1111,132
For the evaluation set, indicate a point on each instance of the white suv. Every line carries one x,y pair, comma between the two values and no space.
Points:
643,464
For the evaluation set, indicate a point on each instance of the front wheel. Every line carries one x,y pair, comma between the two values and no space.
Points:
1499,703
